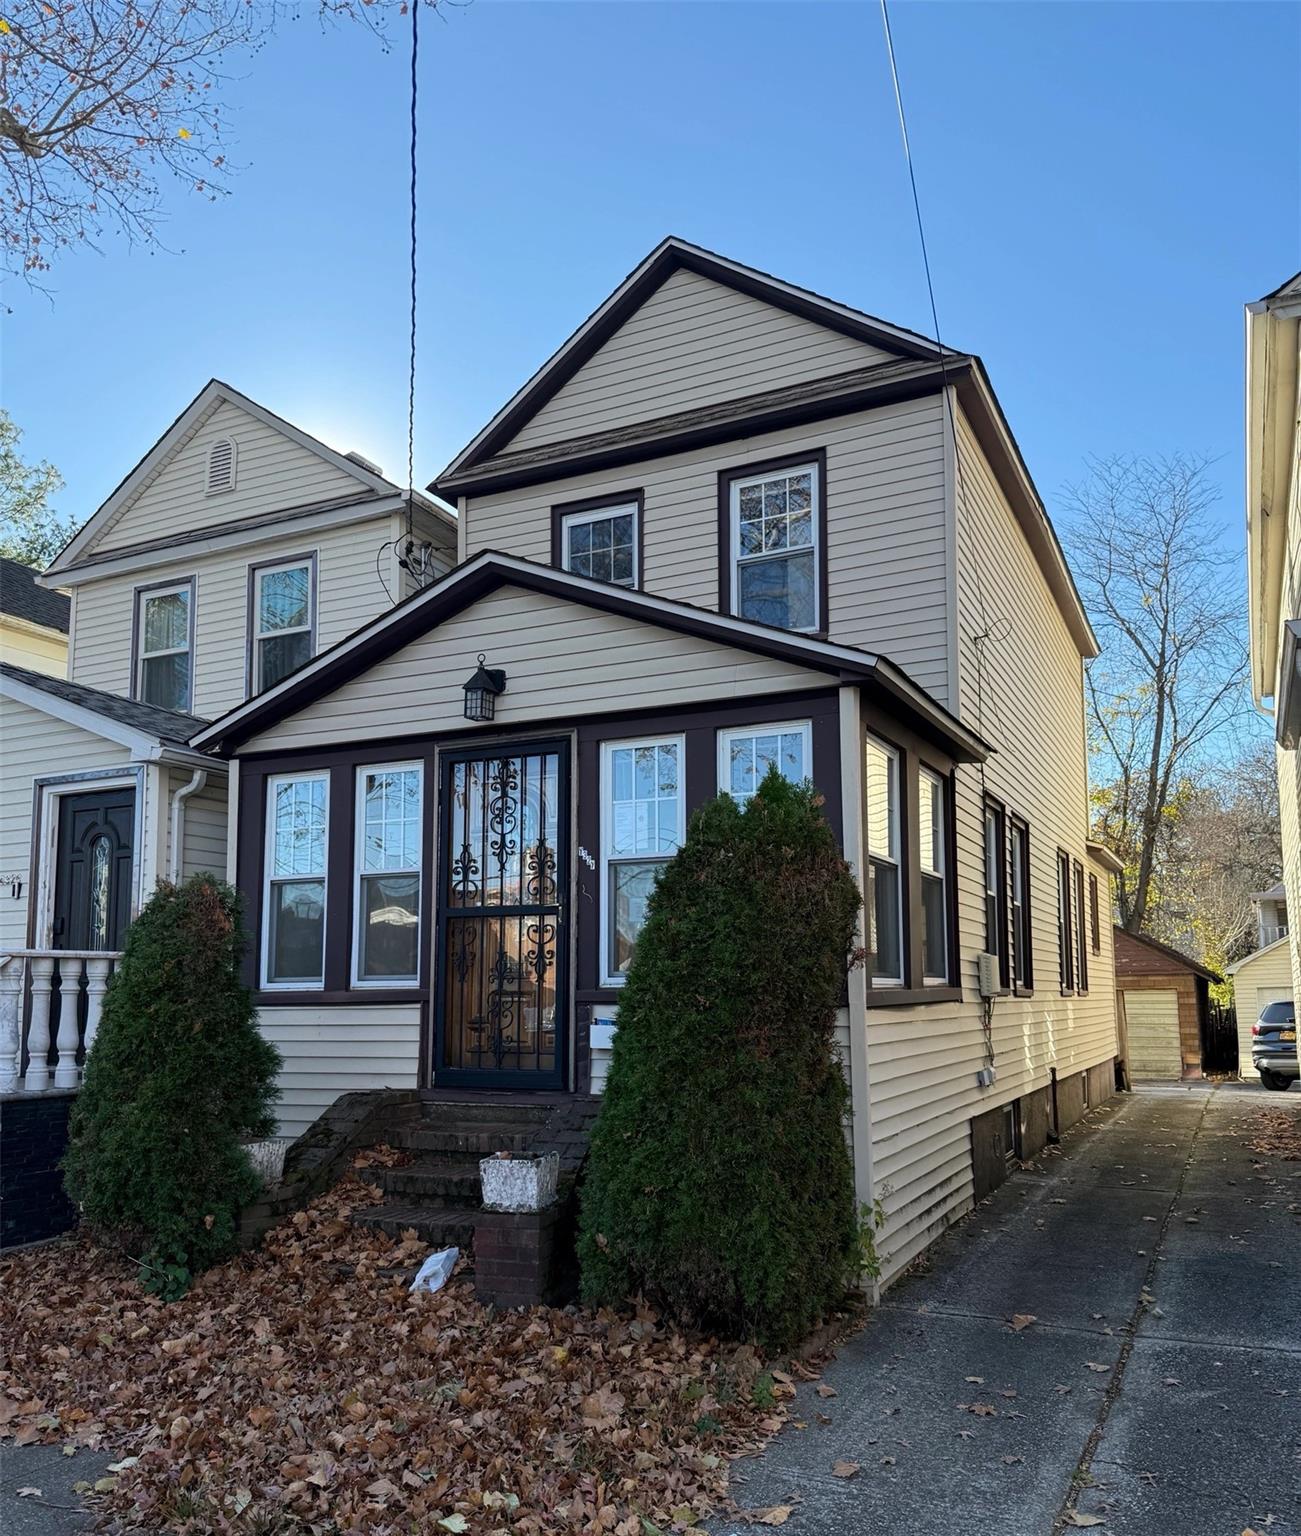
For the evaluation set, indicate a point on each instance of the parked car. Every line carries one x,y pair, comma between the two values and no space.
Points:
1273,1045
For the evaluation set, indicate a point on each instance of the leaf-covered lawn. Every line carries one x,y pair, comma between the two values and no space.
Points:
304,1389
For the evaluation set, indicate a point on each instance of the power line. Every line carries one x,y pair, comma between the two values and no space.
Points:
411,377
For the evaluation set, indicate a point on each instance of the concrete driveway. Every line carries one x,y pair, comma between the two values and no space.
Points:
1157,1391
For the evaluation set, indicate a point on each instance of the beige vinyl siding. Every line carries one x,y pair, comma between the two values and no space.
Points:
329,1051
1022,689
1261,978
1289,762
349,594
272,473
561,660
693,343
34,744
33,646
1152,1021
203,828
888,545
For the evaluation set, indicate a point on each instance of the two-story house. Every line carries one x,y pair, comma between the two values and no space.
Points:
729,524
236,550
33,621
1273,444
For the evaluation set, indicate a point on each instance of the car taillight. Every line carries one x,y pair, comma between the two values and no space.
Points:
1255,1029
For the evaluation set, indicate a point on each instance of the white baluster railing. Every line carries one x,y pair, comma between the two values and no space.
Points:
27,978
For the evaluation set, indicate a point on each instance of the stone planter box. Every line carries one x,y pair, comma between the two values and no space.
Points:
519,1183
268,1158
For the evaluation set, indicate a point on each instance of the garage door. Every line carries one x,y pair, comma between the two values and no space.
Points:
1153,1022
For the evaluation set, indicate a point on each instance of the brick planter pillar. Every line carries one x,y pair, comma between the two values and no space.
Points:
525,1258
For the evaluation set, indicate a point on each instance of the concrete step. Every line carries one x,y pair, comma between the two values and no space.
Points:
440,1226
433,1182
469,1140
446,1112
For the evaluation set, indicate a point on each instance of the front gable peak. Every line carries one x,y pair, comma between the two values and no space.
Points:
686,329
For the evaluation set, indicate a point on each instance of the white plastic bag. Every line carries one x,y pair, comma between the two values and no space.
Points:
435,1272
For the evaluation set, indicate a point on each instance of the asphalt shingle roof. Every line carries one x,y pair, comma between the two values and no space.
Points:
23,599
166,725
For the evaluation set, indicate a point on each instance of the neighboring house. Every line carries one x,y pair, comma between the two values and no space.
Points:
33,621
1164,1000
237,550
728,524
1273,444
1267,976
1271,914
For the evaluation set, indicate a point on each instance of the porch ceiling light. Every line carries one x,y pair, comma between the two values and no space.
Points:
481,691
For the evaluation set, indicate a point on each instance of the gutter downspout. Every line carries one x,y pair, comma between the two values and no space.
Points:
198,779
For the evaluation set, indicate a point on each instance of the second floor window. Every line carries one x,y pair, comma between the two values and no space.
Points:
164,646
283,603
601,542
774,537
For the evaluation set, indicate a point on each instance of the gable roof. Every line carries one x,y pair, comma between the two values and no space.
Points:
1142,942
489,570
21,598
127,721
1256,954
673,255
214,394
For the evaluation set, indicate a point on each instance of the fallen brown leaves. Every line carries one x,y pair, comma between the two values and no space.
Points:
1275,1133
303,1389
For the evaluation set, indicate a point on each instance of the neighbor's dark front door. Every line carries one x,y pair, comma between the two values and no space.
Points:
92,876
501,989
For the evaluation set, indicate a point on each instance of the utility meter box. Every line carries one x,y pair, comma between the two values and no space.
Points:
987,976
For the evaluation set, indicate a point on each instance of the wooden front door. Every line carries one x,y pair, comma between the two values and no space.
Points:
501,997
93,863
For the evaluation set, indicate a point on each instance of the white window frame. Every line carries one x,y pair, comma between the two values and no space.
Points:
940,792
144,595
731,733
359,874
570,520
735,486
255,618
1021,959
308,984
609,977
895,854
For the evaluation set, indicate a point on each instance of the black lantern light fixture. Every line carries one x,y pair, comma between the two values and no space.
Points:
481,691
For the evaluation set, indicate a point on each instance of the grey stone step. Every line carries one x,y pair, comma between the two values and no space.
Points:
467,1139
484,1112
432,1182
438,1225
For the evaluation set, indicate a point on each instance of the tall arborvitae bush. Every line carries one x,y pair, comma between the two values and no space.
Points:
178,1075
719,1183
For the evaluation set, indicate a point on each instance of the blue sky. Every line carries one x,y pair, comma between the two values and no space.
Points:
1104,186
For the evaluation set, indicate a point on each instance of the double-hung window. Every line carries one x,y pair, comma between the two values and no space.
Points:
774,534
281,621
642,822
601,542
1081,941
746,755
164,645
1022,930
996,871
932,821
297,836
386,945
884,859
1065,939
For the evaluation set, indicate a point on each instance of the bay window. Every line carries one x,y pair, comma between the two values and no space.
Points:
386,911
293,924
164,645
642,823
746,755
932,825
773,539
282,607
885,938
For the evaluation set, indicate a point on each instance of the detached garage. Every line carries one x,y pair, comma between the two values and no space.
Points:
1163,1006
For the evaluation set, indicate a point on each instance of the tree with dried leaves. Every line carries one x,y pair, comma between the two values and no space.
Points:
31,531
1166,600
104,101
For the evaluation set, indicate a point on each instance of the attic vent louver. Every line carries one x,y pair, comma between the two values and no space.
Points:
221,466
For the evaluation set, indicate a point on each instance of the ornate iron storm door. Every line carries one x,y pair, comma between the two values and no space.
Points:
502,988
